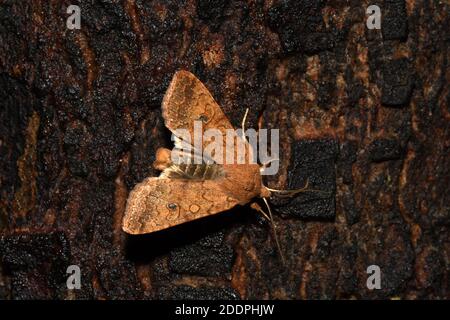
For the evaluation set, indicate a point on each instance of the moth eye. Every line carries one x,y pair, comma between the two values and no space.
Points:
171,206
203,118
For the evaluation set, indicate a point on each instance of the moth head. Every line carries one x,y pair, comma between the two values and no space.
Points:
265,193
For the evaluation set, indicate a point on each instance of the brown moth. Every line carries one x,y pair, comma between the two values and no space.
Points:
183,193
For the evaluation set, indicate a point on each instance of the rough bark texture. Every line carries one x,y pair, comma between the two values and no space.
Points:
363,114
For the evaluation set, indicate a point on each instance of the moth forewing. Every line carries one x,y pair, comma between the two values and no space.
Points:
160,203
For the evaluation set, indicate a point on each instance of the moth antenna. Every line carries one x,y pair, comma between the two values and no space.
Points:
243,124
270,161
275,235
290,193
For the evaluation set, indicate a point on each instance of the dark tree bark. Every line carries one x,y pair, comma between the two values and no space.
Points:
363,115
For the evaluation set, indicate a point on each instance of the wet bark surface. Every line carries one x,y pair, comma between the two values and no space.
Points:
363,115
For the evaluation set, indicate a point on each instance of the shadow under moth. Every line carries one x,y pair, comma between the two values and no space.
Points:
186,192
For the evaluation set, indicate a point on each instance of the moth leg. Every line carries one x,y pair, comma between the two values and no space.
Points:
258,208
243,125
269,217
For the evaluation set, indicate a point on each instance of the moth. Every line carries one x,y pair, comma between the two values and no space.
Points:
186,192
